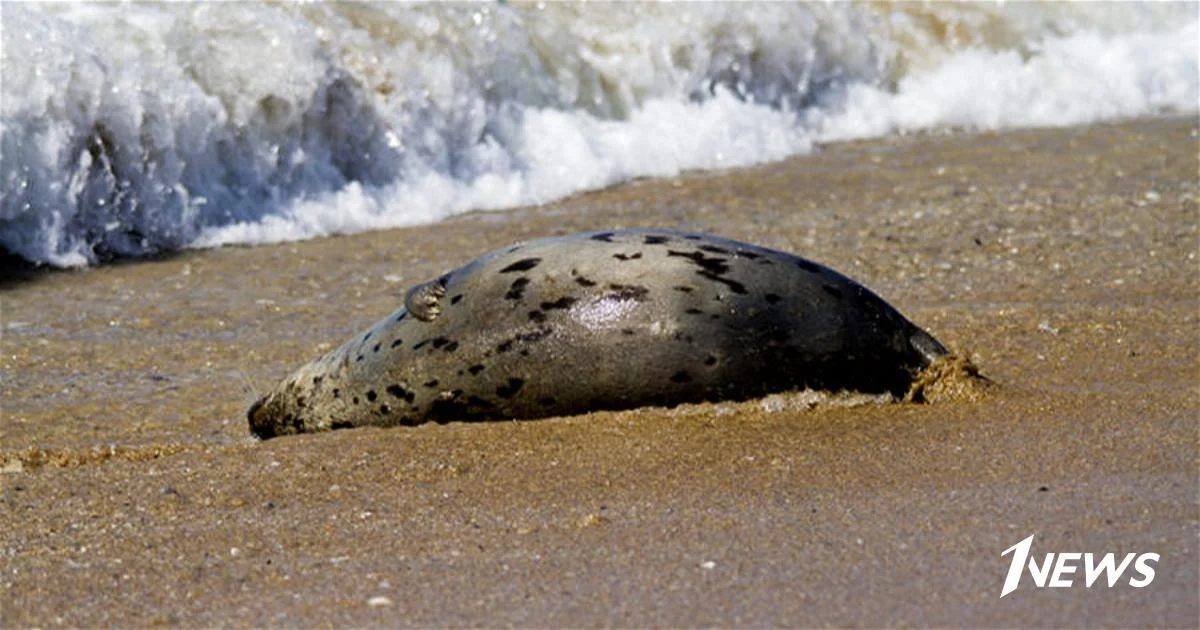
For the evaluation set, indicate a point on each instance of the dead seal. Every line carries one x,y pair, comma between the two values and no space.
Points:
604,320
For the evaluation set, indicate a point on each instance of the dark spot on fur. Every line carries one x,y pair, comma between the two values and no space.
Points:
371,396
420,344
537,316
341,424
384,409
653,239
456,299
516,289
355,400
532,336
765,261
711,360
560,303
430,383
451,347
438,342
524,352
808,265
376,348
510,390
734,285
397,342
747,255
475,369
627,331
505,346
603,236
397,391
401,316
681,377
337,393
832,290
627,292
715,316
358,358
317,380
692,237
583,282
366,337
525,264
710,264
514,248
547,401
694,311
684,288
624,257
771,298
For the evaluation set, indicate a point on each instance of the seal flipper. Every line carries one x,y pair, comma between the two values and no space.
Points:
925,345
424,300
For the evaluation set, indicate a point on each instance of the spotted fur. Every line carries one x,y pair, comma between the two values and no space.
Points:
604,320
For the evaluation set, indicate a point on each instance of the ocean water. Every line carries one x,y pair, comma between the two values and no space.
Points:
130,129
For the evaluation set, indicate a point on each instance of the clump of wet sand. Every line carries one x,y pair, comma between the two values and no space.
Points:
953,377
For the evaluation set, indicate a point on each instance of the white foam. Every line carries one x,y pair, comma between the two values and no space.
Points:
562,153
134,128
1082,78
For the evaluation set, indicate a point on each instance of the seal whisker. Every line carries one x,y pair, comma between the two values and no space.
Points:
248,386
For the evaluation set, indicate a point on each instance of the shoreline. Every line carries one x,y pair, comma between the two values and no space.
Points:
1062,261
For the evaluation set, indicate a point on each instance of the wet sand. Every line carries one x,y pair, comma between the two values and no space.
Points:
1065,262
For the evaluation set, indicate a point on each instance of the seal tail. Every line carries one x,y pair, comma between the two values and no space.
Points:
926,346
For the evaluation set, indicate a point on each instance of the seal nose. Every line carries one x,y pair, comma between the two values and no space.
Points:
261,428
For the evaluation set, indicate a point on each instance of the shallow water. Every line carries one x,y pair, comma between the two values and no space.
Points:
1062,261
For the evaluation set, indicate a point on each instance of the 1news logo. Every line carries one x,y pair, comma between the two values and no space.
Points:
1057,569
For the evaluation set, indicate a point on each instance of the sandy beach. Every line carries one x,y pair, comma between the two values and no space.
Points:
1063,262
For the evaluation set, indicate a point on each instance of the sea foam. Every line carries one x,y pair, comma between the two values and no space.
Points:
136,128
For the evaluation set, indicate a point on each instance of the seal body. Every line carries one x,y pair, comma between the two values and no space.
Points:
604,320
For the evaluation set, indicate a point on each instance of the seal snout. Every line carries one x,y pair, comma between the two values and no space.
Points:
260,425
